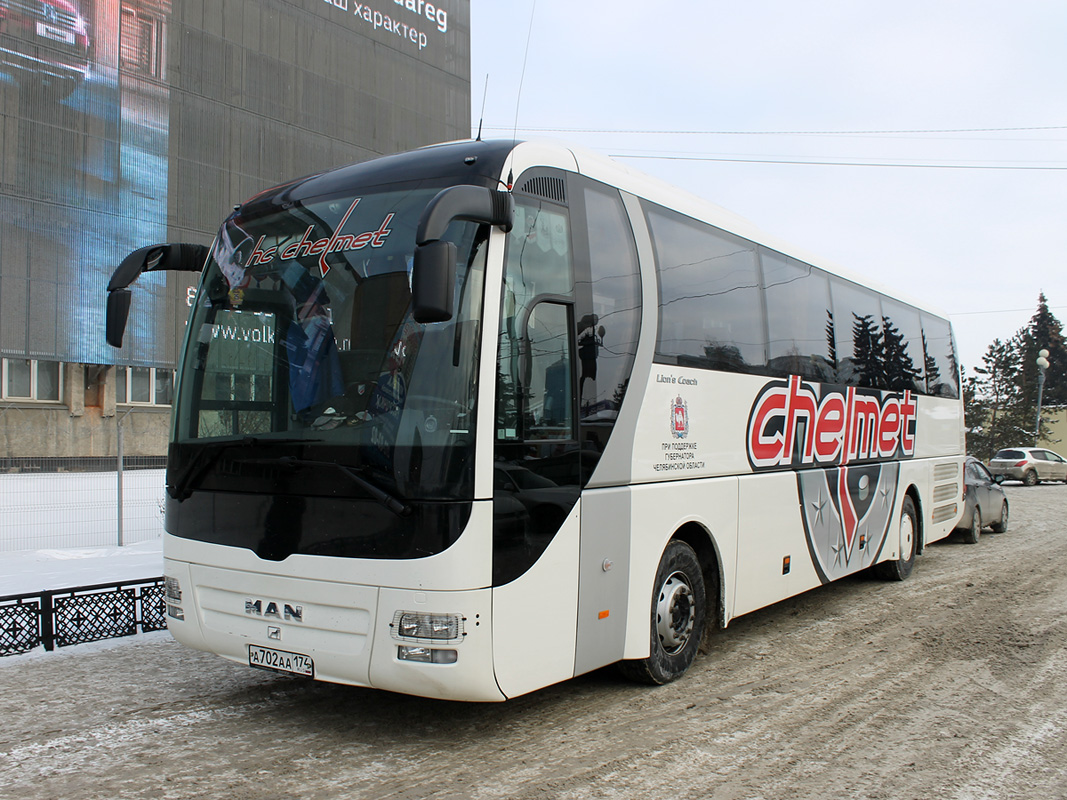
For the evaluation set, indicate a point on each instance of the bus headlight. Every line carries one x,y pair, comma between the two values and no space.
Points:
421,627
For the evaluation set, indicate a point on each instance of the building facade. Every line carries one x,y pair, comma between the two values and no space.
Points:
130,122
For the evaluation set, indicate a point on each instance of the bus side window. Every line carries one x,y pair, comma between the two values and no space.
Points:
710,310
550,410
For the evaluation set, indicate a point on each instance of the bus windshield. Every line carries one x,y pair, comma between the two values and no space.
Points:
302,350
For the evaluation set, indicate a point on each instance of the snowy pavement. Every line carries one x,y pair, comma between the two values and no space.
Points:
29,571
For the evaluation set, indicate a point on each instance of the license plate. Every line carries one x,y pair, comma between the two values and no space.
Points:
55,34
280,661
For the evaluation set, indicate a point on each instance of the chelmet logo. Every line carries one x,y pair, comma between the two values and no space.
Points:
793,424
846,509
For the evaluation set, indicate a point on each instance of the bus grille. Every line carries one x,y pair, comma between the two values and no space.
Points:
946,491
946,472
944,513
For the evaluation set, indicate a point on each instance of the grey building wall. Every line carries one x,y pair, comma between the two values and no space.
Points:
187,108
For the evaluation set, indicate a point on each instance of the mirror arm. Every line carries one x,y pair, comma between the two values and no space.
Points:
433,273
473,203
155,257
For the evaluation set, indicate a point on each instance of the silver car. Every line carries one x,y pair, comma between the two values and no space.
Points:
1031,465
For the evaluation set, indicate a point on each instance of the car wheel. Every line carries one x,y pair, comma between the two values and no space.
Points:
677,618
971,534
900,568
1001,525
1030,478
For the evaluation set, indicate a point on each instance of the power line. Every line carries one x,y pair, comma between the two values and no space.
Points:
999,311
787,133
791,162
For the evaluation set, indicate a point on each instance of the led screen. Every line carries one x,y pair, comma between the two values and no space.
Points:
130,122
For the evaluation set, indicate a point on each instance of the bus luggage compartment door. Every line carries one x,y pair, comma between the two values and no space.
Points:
603,578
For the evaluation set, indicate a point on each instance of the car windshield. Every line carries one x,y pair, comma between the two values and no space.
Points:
302,337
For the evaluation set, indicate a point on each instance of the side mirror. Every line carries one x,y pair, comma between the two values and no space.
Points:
175,257
433,275
118,311
433,272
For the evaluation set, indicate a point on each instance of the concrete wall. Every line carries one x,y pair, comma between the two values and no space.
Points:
1056,418
85,424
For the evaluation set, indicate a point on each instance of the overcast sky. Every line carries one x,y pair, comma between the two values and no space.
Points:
970,96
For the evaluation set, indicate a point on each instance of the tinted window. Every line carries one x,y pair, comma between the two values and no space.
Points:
858,335
1010,454
710,314
607,338
902,343
942,368
799,320
538,264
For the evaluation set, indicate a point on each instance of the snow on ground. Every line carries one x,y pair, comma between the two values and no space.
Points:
29,571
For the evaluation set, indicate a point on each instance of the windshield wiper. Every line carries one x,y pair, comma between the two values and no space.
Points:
394,504
209,453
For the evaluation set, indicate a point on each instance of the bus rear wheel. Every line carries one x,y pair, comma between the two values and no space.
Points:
679,606
899,569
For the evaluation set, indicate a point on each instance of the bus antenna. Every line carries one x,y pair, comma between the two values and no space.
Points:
522,76
481,118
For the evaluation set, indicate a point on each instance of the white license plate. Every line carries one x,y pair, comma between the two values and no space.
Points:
54,33
280,661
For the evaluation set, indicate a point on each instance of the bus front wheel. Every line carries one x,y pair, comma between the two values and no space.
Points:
679,606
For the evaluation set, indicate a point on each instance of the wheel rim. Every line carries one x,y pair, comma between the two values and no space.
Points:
676,613
907,537
976,524
1003,516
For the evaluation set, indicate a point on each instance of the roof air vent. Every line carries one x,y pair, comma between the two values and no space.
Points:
549,188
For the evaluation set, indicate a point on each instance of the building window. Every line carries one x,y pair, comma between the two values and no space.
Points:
28,379
144,386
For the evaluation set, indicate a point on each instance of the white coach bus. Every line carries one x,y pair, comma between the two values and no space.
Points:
471,420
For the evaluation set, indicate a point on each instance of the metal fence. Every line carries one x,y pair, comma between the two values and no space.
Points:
79,502
76,616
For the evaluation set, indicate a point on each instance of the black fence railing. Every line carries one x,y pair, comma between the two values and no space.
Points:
85,614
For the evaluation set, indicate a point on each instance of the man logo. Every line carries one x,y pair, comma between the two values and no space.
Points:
270,610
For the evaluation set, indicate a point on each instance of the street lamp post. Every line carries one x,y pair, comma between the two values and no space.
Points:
1042,365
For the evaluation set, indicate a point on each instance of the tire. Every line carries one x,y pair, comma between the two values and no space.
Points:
900,569
679,608
1030,478
972,534
1001,524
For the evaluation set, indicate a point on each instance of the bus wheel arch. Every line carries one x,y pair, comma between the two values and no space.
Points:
703,544
684,604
